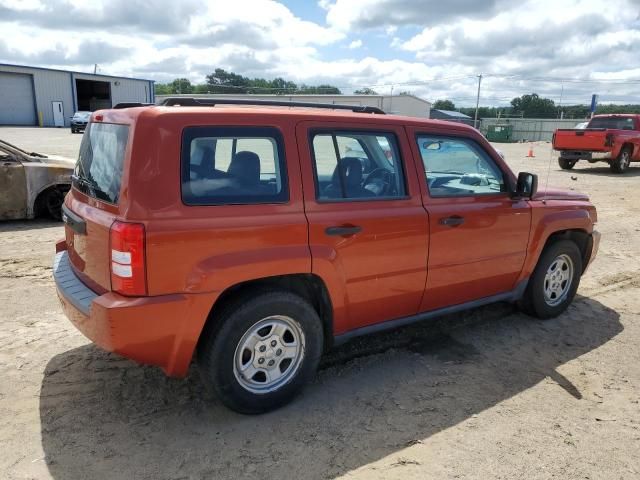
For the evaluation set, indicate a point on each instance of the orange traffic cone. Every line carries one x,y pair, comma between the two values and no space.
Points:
530,154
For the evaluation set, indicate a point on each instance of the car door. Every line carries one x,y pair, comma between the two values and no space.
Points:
478,232
368,231
13,187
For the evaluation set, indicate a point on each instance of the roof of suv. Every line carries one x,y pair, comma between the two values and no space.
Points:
294,112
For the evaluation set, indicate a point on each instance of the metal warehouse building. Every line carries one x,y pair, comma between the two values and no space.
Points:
48,97
397,104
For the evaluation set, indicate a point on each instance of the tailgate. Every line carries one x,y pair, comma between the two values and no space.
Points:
87,235
581,139
91,205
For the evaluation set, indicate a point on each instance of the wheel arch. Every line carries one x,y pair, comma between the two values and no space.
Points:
580,237
634,149
306,285
36,206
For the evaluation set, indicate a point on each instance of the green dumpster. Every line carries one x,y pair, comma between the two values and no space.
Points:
501,133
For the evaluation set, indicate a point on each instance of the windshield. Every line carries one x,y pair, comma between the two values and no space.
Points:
98,172
81,115
612,123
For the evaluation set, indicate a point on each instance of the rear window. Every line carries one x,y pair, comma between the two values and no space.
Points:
613,123
233,165
98,172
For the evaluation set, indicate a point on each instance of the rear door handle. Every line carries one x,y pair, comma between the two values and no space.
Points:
452,221
343,231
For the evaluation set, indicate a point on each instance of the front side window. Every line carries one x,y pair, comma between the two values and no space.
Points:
357,165
457,167
233,165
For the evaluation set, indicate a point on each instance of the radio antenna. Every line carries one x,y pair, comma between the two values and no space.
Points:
546,185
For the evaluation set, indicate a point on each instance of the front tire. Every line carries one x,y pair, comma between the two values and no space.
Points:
621,164
566,164
261,350
554,282
52,202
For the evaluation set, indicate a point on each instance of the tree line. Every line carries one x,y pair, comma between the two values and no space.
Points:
534,106
221,81
527,106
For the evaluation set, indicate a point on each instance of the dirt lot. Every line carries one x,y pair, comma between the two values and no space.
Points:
490,394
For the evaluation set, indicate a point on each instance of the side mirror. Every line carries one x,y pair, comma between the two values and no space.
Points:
527,185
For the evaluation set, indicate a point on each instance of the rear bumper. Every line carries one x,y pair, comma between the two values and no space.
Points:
585,155
161,330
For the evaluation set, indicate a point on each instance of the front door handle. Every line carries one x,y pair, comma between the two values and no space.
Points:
452,221
343,231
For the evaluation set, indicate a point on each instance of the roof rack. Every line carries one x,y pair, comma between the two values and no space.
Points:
212,102
131,105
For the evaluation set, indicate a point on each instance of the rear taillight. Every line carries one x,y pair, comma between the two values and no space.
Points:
128,272
608,141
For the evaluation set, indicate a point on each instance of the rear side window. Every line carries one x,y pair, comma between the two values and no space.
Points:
357,165
233,165
98,172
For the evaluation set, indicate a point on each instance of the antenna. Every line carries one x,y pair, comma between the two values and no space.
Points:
546,185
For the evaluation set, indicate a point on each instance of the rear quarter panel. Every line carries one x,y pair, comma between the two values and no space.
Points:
197,249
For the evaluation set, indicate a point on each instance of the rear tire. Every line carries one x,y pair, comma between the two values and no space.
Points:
621,164
261,350
566,164
554,282
50,202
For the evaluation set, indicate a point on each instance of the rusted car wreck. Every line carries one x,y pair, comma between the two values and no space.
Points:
32,184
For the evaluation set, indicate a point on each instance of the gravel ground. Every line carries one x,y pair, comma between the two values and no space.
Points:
488,394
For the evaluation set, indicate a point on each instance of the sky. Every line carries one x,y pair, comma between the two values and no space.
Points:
562,49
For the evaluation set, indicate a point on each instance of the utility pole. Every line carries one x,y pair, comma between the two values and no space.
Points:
560,103
95,68
475,120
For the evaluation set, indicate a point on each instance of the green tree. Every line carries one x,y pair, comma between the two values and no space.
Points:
221,81
365,91
181,85
534,106
443,105
319,90
162,89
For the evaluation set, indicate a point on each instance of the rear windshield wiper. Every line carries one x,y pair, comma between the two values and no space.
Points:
92,187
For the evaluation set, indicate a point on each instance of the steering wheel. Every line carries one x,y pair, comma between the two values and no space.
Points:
379,182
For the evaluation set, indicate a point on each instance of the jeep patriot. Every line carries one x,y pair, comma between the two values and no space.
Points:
253,238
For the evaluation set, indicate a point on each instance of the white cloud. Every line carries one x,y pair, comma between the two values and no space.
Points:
427,40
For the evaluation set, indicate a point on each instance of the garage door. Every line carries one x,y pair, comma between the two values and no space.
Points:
16,99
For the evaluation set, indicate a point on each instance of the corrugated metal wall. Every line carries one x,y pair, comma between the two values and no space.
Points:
531,129
59,86
398,104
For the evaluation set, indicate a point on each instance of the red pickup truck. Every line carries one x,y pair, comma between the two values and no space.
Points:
614,139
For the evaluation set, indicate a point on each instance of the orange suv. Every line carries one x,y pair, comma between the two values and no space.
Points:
254,237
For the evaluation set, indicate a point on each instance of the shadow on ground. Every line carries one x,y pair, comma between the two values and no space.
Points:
104,417
27,225
585,168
